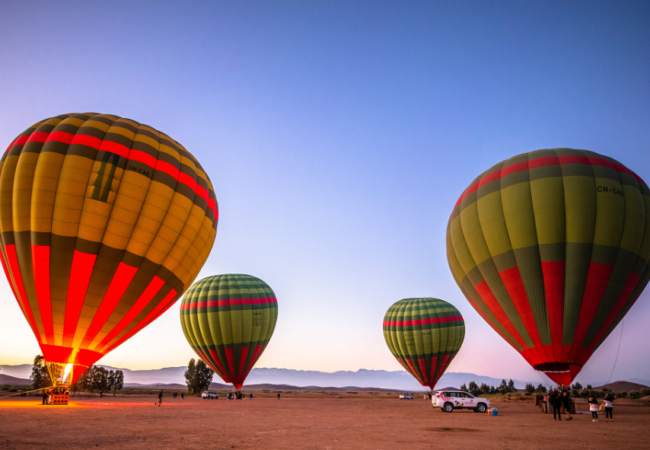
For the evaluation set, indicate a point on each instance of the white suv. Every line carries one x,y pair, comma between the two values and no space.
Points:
449,400
209,395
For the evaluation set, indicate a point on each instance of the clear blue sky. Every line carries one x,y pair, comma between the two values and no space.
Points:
338,136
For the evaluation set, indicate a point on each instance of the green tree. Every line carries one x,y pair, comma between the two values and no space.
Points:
115,380
530,388
644,392
511,386
40,376
198,376
541,388
577,386
485,389
589,386
463,387
635,395
621,395
100,379
493,390
474,389
503,387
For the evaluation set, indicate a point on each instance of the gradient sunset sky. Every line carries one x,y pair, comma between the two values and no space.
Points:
338,136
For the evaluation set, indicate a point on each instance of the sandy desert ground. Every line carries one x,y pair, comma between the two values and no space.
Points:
307,421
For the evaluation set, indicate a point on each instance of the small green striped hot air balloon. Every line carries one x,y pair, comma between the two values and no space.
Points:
228,320
424,334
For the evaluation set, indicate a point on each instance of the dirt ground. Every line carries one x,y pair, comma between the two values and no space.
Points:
307,421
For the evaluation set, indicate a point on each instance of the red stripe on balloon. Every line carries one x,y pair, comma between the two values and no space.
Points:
143,157
151,290
429,321
82,269
121,280
622,299
38,136
242,361
60,136
413,371
229,302
231,361
222,372
423,370
20,140
483,290
86,140
554,288
41,268
434,378
515,286
597,280
159,310
21,298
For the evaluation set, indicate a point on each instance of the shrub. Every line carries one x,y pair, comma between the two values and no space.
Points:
585,393
635,395
621,395
645,392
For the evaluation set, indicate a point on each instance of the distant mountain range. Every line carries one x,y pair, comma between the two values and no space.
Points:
382,379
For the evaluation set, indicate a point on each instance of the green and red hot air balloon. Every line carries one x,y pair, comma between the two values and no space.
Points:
228,321
424,335
552,248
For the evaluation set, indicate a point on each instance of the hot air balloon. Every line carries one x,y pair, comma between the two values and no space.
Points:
424,335
104,223
228,320
551,248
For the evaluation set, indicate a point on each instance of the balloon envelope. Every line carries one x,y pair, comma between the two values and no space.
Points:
551,248
104,224
228,320
424,335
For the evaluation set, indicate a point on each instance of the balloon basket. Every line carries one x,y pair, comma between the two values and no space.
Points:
59,394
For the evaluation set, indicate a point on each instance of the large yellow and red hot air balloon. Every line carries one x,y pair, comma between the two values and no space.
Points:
104,224
552,248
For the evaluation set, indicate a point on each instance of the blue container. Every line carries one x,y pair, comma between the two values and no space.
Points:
493,412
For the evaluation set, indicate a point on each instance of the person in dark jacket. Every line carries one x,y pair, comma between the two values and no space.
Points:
609,408
159,399
566,402
556,403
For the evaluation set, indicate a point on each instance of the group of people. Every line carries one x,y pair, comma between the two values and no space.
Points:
560,401
607,405
174,395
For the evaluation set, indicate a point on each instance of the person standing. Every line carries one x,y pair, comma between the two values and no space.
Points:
609,408
44,396
593,407
159,398
182,395
566,402
556,399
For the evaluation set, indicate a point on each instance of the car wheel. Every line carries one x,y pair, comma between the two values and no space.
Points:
481,408
448,407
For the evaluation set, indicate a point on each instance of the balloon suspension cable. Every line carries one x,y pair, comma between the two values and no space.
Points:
27,392
620,338
146,340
